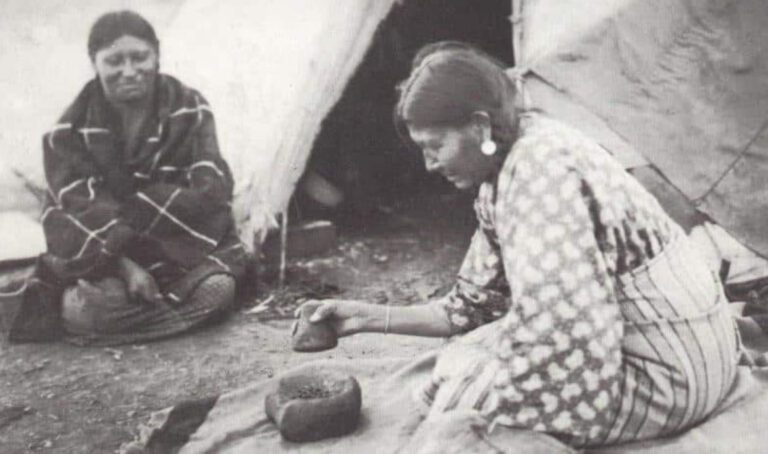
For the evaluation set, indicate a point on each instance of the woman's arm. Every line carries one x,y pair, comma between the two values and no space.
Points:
477,298
195,193
82,223
350,317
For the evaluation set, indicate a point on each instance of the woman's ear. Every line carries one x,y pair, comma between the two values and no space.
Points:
481,121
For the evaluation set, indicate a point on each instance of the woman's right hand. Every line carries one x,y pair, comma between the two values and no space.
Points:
345,316
140,284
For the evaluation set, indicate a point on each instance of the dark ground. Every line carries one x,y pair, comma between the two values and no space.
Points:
65,399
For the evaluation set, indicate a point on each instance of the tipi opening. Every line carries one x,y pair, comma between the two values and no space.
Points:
359,168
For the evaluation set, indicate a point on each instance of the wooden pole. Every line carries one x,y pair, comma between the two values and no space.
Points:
283,247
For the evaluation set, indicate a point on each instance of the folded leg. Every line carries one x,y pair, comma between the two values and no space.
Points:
103,313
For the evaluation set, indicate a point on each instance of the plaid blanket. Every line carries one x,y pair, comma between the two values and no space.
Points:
165,204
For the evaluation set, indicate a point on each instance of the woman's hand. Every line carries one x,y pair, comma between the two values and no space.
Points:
140,284
344,316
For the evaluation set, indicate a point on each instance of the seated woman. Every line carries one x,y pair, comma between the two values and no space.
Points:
587,313
138,222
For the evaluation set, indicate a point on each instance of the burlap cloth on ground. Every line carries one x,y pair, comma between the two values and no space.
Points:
235,422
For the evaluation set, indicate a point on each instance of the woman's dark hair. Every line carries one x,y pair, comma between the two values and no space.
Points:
449,81
114,25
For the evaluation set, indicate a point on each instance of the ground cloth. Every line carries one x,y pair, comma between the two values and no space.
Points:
235,422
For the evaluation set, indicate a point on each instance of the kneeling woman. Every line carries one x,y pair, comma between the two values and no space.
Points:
138,222
587,313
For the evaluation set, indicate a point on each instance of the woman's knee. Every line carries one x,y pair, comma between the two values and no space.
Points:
216,291
87,307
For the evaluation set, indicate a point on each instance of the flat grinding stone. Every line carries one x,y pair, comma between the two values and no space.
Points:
312,337
315,404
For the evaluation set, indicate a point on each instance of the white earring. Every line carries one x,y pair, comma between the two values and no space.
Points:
488,147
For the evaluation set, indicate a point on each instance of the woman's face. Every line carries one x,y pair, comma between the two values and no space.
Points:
127,69
455,154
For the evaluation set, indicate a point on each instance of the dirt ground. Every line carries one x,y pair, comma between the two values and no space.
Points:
66,399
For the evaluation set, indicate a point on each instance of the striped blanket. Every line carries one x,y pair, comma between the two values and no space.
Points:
166,204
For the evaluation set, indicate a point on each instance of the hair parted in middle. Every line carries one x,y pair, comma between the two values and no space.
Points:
451,80
113,25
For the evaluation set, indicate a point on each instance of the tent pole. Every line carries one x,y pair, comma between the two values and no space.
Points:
517,31
514,19
283,247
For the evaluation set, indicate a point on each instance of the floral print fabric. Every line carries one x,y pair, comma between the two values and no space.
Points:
561,222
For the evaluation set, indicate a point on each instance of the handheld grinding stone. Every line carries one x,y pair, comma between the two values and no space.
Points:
312,337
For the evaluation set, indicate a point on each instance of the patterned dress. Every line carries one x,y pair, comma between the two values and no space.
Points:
588,315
